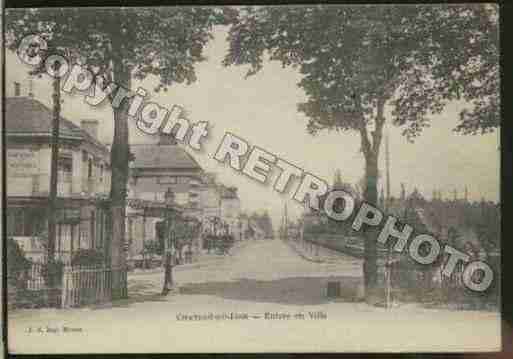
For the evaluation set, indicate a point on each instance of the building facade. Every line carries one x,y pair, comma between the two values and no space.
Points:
83,179
155,169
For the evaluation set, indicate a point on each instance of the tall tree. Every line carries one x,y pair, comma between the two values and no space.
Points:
120,45
357,62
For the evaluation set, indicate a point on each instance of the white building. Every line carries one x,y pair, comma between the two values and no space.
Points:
83,177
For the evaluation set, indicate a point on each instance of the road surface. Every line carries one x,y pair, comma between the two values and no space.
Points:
263,297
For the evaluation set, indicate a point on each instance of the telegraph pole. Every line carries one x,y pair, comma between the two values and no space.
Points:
386,205
286,223
387,154
56,96
168,243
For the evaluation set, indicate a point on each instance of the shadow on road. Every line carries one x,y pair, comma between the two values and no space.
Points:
138,292
292,290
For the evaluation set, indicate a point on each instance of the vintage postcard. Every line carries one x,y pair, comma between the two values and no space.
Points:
319,178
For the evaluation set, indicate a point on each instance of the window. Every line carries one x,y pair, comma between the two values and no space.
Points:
101,173
65,164
166,180
25,222
64,168
183,180
19,223
93,229
130,230
194,183
83,238
89,168
10,222
181,198
160,196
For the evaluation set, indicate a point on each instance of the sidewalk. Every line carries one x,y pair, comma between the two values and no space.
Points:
305,250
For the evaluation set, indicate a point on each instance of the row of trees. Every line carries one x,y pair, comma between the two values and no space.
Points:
356,63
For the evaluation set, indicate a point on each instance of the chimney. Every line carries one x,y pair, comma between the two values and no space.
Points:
17,89
90,126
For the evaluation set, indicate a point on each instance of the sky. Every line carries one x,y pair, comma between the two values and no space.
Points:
262,109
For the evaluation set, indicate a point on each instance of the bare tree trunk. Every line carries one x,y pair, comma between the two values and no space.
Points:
52,234
370,150
370,196
119,164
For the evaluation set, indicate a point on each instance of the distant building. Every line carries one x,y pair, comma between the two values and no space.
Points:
210,197
83,177
155,169
244,227
218,200
230,209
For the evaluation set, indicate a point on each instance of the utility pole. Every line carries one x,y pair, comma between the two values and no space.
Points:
387,154
286,224
168,243
386,204
56,96
31,87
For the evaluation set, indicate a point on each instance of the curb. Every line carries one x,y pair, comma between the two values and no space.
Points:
303,255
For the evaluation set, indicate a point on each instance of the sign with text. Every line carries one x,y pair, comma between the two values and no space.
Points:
22,162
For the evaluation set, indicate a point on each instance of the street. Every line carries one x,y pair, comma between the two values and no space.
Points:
262,297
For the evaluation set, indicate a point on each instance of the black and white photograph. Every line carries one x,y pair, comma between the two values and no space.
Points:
252,179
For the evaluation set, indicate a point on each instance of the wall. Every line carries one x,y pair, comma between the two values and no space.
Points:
28,172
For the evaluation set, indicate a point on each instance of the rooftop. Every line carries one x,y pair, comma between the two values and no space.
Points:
153,156
28,116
